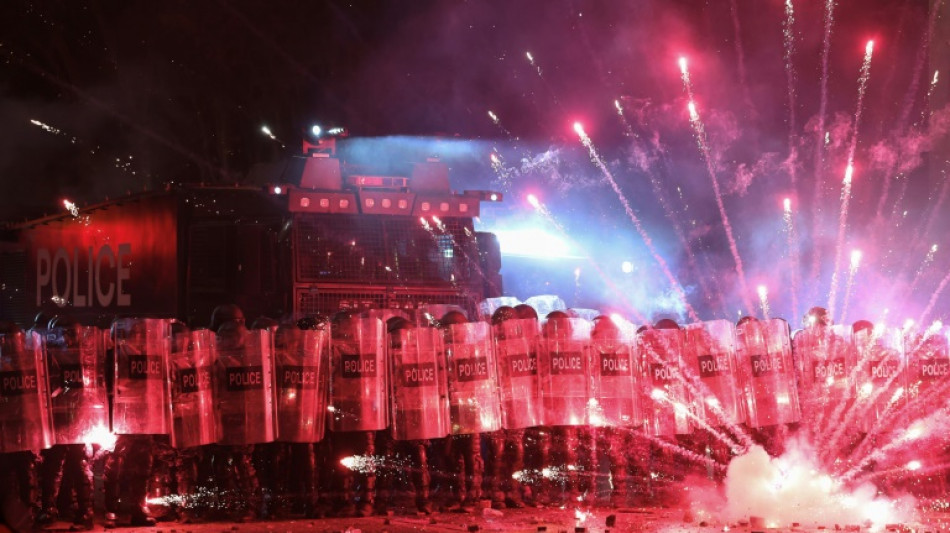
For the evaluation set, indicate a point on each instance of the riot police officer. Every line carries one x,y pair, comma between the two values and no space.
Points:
244,404
25,426
75,366
615,407
140,415
563,368
194,430
517,360
301,386
474,406
358,396
419,408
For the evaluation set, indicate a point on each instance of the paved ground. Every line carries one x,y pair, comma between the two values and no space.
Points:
523,520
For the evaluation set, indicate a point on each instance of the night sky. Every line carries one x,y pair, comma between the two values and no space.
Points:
136,94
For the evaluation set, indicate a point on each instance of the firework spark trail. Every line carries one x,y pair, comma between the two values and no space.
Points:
917,75
764,300
901,125
497,123
855,263
596,159
679,450
928,260
846,186
904,418
794,253
698,389
862,408
842,230
684,74
933,298
544,212
657,187
788,40
863,77
547,85
926,112
740,56
915,405
819,143
918,471
842,407
935,210
908,436
700,132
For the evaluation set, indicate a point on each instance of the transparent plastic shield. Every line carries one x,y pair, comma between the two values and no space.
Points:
764,363
711,357
563,371
516,350
881,363
358,377
613,369
25,422
826,363
301,384
473,384
244,381
418,384
76,370
141,402
191,364
666,401
928,364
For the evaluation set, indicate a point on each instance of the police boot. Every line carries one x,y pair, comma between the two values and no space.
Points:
574,482
50,477
495,478
514,447
368,492
83,519
139,514
367,496
28,480
421,479
186,474
249,485
476,470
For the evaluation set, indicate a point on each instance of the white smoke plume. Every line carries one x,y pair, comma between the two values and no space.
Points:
792,488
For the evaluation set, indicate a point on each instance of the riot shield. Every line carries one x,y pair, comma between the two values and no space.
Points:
301,384
516,352
825,365
473,384
563,371
881,362
711,357
667,404
418,384
191,363
141,404
78,396
25,423
358,376
614,402
244,386
764,362
928,369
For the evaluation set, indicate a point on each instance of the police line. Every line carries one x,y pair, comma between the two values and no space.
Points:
286,384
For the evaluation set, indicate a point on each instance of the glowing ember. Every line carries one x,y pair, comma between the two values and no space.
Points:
100,436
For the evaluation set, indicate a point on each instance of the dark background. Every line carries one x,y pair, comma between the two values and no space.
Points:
137,94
